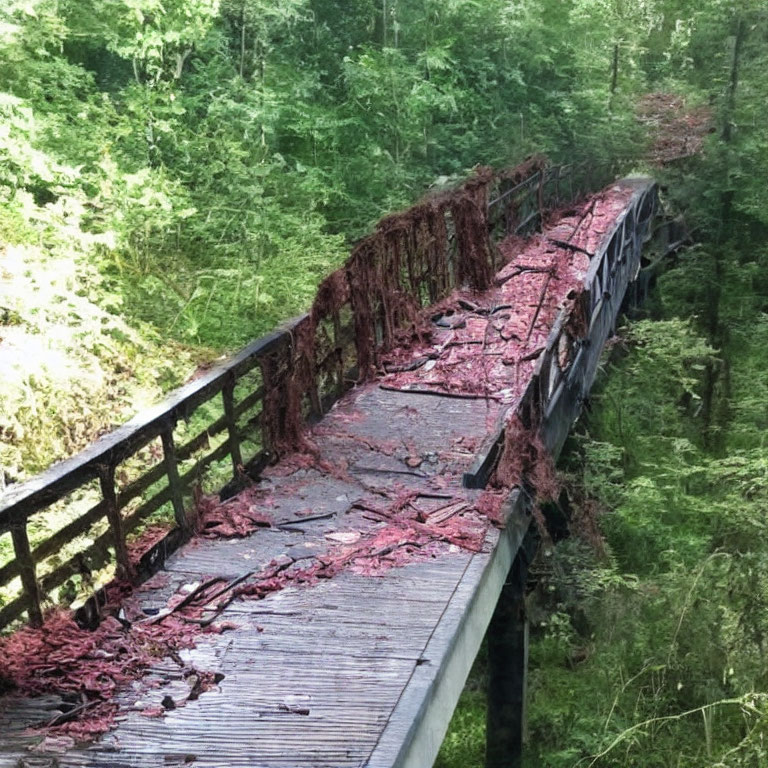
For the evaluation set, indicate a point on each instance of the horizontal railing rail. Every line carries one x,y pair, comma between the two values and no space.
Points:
264,393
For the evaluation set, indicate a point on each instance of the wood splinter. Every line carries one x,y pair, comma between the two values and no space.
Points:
70,714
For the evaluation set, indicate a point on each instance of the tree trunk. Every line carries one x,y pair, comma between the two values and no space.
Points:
726,204
615,69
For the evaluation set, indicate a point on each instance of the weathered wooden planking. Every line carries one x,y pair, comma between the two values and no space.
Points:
348,672
23,500
417,726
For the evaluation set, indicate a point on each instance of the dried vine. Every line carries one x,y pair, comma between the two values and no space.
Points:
407,263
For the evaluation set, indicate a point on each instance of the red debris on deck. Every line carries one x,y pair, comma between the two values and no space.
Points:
472,344
88,668
486,344
237,517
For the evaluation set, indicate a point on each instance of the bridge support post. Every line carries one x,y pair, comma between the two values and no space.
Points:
508,666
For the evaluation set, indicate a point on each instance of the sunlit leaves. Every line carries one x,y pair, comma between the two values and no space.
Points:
156,36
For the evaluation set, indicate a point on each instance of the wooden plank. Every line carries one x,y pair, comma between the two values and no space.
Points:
8,572
107,483
69,532
417,726
183,452
487,455
507,639
643,185
339,344
522,185
174,482
97,554
53,544
351,686
249,401
161,497
382,659
13,610
148,479
230,417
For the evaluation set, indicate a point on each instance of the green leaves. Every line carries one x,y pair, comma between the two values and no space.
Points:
155,36
676,668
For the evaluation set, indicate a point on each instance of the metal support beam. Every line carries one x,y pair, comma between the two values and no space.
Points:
508,666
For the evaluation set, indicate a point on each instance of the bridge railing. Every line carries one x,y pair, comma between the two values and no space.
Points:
250,408
579,332
566,365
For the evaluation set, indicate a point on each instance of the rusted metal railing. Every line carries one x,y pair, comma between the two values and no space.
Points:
566,366
611,270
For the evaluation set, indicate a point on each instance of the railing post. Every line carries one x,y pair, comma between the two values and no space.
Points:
107,483
508,217
339,347
27,571
174,481
540,195
315,401
228,396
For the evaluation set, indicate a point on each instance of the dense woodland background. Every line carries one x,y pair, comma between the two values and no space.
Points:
176,176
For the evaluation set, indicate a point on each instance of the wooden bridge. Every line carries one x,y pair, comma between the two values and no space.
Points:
385,450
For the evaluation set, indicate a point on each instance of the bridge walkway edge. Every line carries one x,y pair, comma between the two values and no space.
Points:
421,710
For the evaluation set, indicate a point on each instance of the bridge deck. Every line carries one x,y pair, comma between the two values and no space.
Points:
364,601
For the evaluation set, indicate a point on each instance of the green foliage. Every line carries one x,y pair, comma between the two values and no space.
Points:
71,369
664,360
670,648
651,652
212,159
186,172
209,139
665,637
464,743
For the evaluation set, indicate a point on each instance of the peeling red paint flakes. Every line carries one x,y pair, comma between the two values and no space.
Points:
677,130
155,711
235,518
487,344
87,667
150,536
